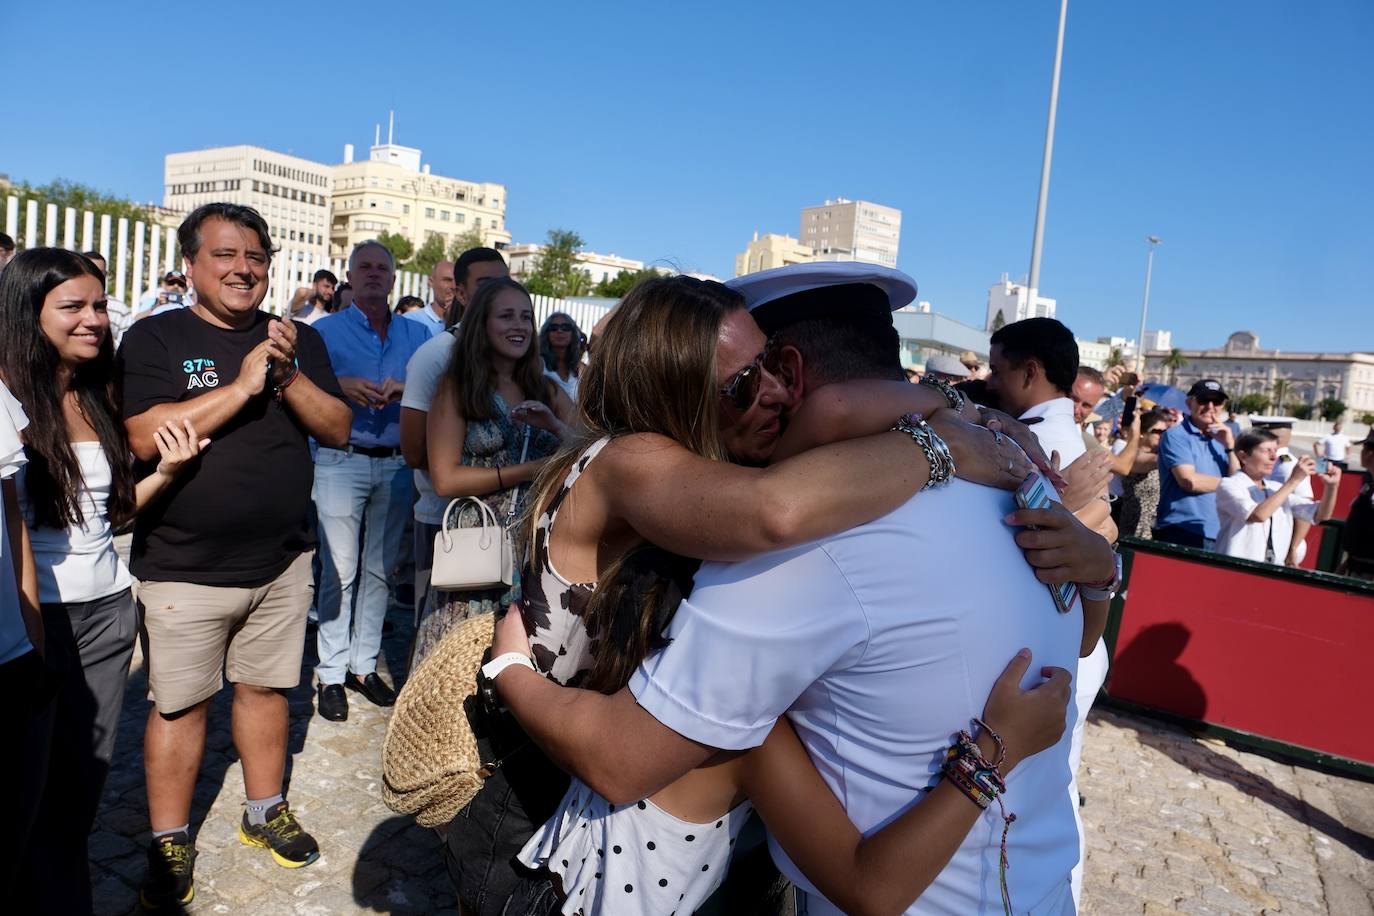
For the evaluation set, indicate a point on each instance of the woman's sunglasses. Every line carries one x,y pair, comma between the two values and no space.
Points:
561,326
741,389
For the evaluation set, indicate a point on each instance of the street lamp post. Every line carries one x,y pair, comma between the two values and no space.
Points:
1038,239
1145,308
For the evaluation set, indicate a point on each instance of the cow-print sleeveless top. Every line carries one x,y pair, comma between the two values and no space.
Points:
554,607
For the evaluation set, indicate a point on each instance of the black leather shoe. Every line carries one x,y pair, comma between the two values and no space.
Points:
331,702
372,687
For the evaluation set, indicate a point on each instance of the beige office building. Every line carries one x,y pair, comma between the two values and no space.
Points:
852,230
391,191
769,251
1243,367
291,193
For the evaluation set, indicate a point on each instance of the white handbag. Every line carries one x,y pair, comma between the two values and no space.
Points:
480,557
472,558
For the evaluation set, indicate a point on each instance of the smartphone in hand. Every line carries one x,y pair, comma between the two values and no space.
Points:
1034,494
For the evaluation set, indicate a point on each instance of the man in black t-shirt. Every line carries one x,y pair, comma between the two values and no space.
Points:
223,558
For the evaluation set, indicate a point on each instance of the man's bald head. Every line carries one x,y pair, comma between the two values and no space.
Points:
441,285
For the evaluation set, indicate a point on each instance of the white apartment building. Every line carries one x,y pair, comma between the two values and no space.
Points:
291,193
391,191
852,230
1158,340
1243,367
1009,302
599,267
772,250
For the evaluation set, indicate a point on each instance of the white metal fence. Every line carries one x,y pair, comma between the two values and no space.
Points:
584,314
139,255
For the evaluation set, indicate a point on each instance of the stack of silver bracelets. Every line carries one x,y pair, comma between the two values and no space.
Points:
935,449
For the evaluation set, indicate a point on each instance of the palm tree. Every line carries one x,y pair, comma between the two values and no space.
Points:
1174,362
1281,388
1116,359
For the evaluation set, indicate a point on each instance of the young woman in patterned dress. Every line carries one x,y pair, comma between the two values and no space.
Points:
493,406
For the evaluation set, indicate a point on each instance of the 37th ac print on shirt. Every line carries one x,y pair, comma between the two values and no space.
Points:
200,373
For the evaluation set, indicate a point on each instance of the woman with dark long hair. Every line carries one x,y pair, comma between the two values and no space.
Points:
496,417
561,345
57,357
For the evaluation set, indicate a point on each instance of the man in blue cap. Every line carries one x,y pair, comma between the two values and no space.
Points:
1194,458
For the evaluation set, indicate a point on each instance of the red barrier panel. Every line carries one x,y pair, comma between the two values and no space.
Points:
1272,655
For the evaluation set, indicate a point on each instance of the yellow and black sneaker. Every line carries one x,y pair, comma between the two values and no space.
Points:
169,884
291,846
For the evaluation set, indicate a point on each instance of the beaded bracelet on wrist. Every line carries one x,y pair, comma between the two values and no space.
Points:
980,780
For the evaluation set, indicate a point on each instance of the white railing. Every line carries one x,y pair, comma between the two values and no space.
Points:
139,255
584,314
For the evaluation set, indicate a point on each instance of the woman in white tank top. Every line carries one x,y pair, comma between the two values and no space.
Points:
57,357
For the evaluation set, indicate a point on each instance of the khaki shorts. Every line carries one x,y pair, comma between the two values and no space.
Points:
194,636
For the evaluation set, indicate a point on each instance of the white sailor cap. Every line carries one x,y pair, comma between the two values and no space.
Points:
1264,422
830,289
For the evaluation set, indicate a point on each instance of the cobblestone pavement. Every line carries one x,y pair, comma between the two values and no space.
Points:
1176,825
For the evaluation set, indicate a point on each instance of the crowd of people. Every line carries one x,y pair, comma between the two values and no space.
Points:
740,601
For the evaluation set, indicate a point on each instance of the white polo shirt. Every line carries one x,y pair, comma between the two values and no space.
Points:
1237,497
423,372
880,643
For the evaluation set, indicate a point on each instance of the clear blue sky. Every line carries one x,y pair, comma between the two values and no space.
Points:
1240,132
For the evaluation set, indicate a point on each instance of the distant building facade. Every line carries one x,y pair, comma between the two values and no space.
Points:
391,191
1243,367
852,230
292,194
599,267
1009,302
771,250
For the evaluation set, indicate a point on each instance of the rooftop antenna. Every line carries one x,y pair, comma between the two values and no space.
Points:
390,127
377,135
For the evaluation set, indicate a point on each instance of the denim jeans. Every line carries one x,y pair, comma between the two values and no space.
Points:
356,495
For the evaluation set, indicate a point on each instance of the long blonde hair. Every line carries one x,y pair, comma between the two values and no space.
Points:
653,370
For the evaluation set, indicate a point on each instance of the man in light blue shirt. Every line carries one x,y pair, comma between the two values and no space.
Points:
442,286
366,484
1194,458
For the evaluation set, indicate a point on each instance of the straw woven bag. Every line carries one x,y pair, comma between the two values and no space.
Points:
430,763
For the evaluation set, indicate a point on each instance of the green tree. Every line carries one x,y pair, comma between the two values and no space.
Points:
430,253
1174,362
555,271
1367,419
616,287
1300,410
1251,403
998,321
1115,358
468,238
398,245
1330,409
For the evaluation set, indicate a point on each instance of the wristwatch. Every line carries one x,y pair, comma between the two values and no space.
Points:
1103,591
501,662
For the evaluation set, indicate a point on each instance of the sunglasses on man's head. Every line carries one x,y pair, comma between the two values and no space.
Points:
561,326
741,390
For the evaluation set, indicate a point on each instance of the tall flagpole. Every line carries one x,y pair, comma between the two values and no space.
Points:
1038,241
